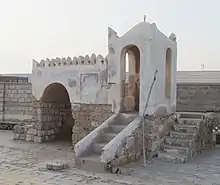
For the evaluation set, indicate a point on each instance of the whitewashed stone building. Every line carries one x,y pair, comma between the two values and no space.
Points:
88,100
99,80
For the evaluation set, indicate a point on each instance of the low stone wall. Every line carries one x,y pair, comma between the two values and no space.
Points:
53,121
203,138
157,129
50,118
213,124
127,146
88,117
15,102
198,97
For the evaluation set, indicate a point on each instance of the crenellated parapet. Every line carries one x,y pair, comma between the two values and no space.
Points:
81,60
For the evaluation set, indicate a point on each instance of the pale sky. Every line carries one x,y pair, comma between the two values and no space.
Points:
60,28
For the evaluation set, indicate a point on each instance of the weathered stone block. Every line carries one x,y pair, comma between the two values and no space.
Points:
51,137
50,132
38,126
18,129
32,131
122,160
46,138
38,139
29,138
130,142
22,136
129,103
16,136
57,166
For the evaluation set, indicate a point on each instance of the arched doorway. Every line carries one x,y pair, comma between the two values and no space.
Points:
130,83
168,72
58,114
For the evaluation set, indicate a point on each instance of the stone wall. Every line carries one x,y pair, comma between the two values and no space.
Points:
157,130
49,123
16,99
205,136
131,148
214,120
15,102
127,146
198,97
54,121
88,117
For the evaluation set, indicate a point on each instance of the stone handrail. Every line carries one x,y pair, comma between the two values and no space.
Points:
84,144
113,148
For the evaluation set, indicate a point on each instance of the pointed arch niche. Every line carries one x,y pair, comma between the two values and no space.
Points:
130,84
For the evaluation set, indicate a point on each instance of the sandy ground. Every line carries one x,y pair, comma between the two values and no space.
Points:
23,163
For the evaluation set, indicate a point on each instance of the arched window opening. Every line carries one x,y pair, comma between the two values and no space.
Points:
126,67
168,68
131,66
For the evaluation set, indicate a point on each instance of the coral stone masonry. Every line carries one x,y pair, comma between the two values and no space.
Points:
15,100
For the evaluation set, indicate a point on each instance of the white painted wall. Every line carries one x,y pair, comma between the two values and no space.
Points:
86,78
85,83
152,45
160,44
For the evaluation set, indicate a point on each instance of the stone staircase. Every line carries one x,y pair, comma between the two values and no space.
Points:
182,143
91,161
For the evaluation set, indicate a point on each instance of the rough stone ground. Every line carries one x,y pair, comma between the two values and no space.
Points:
23,163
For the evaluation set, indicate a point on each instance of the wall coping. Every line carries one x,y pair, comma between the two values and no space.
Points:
16,83
198,83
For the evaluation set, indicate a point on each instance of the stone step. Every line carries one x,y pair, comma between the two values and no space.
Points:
189,121
171,157
185,128
179,142
182,135
191,115
90,163
124,119
116,128
176,149
97,147
122,122
106,137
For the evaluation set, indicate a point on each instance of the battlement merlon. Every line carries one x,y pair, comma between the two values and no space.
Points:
81,60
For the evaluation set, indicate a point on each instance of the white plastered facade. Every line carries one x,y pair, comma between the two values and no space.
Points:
153,46
98,81
84,78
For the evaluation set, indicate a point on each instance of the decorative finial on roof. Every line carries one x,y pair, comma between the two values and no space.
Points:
145,18
202,67
173,37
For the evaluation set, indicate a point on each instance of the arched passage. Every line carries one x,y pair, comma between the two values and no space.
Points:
57,116
130,58
168,72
